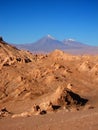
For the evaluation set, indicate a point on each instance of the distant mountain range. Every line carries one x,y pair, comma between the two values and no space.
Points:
49,43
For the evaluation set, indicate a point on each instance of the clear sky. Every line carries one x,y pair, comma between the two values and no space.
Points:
25,21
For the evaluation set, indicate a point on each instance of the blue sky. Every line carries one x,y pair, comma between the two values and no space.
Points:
25,21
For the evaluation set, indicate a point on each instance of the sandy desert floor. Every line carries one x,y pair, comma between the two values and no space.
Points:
62,120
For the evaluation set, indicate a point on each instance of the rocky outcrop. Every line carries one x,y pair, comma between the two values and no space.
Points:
85,67
10,55
1,39
4,113
62,98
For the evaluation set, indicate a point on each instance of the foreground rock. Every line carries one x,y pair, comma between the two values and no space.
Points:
63,98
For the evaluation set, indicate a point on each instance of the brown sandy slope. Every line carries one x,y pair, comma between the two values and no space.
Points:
64,87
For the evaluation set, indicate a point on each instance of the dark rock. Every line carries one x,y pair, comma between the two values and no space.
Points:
4,112
43,112
1,39
27,60
74,99
36,107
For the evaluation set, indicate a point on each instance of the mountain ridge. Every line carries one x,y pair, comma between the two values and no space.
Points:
48,43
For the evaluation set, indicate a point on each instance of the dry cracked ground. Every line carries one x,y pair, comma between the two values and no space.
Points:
55,91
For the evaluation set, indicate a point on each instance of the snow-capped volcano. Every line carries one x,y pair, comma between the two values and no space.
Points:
48,43
74,44
45,44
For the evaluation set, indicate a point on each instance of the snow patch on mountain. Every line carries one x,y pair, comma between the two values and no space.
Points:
51,37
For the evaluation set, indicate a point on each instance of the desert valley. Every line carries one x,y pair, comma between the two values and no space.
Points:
47,91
